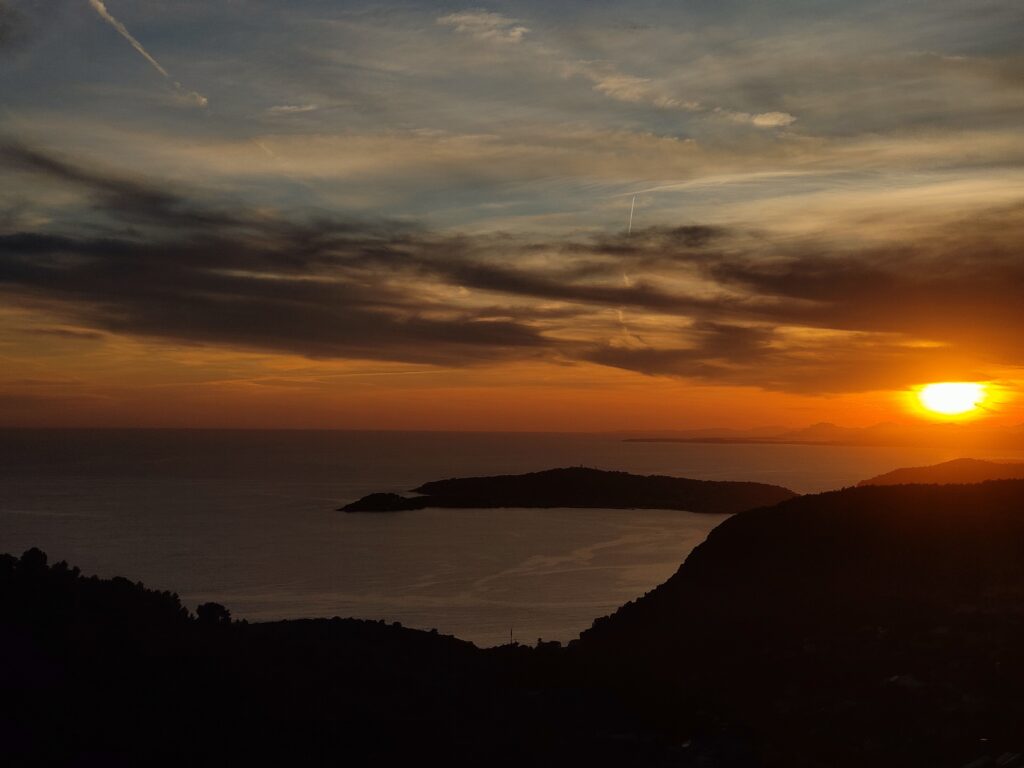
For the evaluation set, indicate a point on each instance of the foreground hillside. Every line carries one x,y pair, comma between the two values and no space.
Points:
870,626
876,626
108,673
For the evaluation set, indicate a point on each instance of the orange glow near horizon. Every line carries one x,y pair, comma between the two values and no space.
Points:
952,399
105,380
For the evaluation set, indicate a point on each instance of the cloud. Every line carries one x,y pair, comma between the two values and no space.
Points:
724,305
203,275
190,98
292,109
186,96
605,77
486,26
772,119
133,200
762,120
67,333
630,89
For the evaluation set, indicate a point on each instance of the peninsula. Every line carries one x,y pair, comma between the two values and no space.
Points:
580,487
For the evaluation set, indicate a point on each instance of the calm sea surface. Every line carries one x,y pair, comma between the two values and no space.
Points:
247,518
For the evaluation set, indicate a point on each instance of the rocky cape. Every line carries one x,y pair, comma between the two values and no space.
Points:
580,487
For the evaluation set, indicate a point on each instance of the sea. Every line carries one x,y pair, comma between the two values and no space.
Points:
250,519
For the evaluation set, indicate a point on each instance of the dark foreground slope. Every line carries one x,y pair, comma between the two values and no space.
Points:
955,471
877,626
870,626
107,673
581,487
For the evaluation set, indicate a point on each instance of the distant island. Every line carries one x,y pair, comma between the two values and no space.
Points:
955,471
580,487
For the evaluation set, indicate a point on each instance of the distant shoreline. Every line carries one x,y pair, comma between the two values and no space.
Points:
791,441
761,441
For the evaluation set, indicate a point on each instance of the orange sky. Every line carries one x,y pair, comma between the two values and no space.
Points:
114,382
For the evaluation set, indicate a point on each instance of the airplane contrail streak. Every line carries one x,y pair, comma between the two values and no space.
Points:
122,30
632,205
101,9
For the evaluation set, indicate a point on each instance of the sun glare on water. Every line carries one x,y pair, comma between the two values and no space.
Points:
952,398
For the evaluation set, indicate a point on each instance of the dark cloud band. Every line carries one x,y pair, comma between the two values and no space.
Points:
714,304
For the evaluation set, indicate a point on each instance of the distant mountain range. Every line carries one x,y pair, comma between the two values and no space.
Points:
826,433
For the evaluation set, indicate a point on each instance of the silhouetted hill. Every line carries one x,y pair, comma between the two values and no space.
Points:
869,626
581,487
107,673
955,471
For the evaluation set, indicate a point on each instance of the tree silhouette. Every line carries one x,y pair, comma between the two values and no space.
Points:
213,613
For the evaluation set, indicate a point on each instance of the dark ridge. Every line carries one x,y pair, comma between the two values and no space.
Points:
869,626
581,487
955,471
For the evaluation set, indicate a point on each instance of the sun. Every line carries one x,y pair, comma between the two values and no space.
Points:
952,398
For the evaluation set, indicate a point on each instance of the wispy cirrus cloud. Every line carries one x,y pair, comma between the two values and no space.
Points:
630,89
762,120
485,26
604,76
292,109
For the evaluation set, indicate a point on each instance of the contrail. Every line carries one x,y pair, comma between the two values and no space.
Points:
632,205
122,30
101,9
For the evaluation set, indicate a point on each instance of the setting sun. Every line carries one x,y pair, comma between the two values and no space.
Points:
952,398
